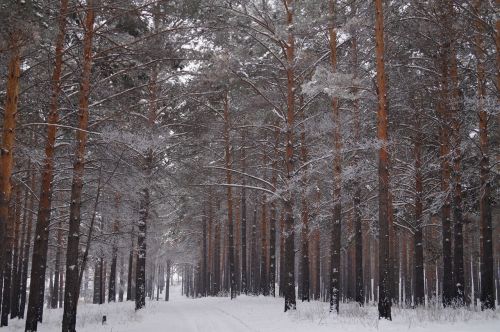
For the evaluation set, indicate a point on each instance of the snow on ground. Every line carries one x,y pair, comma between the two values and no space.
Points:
254,314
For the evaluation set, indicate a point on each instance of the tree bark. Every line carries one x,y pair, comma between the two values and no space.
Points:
55,295
114,254
24,239
40,245
419,298
272,220
304,238
7,160
455,105
487,266
71,290
14,296
22,303
7,277
289,232
167,284
122,279
228,161
244,268
336,227
358,229
384,301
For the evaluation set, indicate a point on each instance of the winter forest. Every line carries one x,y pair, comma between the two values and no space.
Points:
249,165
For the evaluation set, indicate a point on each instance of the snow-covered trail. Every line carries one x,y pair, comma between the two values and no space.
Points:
259,314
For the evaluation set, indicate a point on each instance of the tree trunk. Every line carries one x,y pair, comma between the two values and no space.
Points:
55,295
230,223
244,268
358,230
419,298
304,238
458,242
167,284
22,245
444,151
264,283
27,245
40,245
114,255
6,164
289,232
71,291
14,298
487,266
140,265
282,254
336,235
253,256
130,268
384,301
122,279
7,277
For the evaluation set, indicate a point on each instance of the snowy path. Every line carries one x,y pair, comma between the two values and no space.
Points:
259,314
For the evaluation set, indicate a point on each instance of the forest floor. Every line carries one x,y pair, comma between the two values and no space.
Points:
254,314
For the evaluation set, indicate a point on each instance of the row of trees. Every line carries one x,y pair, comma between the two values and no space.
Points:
143,134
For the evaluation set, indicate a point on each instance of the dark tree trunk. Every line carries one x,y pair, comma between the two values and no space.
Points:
289,268
217,261
27,245
253,257
204,258
244,268
272,250
444,151
61,288
336,236
304,238
97,283
458,241
130,271
487,262
7,274
14,298
140,272
167,284
282,255
37,279
230,221
112,276
6,164
384,300
121,286
57,268
263,280
419,298
72,289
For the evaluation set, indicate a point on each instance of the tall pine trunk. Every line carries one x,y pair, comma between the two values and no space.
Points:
14,295
37,279
304,237
487,266
230,221
6,165
455,105
336,228
24,280
72,289
419,298
244,268
384,299
289,232
57,268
